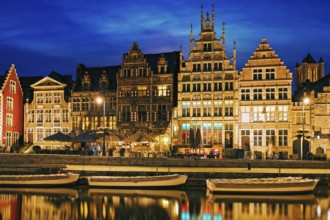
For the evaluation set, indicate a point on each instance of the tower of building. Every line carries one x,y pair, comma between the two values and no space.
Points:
208,89
309,70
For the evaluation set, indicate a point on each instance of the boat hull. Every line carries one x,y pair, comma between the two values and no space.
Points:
137,181
262,186
38,180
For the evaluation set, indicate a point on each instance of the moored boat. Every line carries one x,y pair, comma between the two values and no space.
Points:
262,185
39,180
137,181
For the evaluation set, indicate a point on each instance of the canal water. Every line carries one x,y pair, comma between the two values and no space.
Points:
179,203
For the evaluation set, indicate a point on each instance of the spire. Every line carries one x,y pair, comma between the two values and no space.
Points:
234,55
202,17
212,17
191,37
223,34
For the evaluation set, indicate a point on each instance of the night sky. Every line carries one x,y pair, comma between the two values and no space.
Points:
40,36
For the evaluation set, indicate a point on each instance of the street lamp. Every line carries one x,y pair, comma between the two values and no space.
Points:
100,100
305,102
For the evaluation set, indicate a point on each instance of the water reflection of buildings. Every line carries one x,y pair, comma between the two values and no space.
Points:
292,207
158,204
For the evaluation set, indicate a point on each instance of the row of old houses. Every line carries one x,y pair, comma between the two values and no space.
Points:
172,99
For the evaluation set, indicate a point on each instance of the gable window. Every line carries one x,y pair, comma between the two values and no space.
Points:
40,98
48,98
185,87
57,98
103,85
12,86
270,73
257,74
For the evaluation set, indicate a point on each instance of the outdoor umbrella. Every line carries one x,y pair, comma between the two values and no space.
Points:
113,137
85,137
139,138
198,139
59,136
191,138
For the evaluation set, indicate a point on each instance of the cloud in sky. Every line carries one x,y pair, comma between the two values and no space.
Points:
57,35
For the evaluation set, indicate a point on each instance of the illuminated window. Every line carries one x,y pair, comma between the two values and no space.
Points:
283,113
9,103
142,91
270,113
229,108
185,109
207,108
196,107
217,127
185,133
207,133
283,137
245,112
258,116
162,90
12,86
217,108
48,132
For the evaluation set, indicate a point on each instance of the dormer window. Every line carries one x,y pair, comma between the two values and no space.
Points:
86,82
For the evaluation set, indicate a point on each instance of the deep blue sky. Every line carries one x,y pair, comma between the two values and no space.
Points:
39,36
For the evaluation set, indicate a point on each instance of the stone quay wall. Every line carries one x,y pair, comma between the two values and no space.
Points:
197,169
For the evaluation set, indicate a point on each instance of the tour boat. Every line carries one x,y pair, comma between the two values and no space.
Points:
262,185
137,181
39,180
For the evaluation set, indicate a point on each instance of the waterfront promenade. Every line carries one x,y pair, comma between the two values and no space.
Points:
197,169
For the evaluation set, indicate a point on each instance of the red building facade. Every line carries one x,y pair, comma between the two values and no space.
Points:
11,109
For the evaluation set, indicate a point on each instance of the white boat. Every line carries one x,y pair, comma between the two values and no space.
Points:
39,180
262,185
137,181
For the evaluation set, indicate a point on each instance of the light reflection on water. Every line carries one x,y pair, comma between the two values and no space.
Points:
183,203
